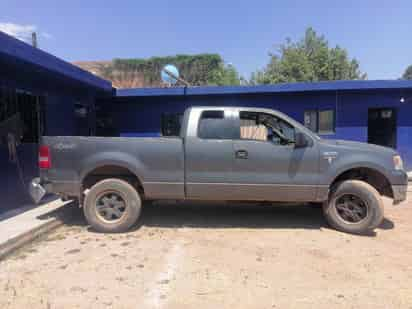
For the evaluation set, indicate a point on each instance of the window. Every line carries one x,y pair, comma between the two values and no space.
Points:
105,124
21,114
265,127
214,125
326,122
80,110
320,121
171,124
311,120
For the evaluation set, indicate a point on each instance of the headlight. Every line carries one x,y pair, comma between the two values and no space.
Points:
397,162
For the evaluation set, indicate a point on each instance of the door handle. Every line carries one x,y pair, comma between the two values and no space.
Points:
241,154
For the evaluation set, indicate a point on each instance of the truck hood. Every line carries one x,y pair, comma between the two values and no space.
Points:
358,146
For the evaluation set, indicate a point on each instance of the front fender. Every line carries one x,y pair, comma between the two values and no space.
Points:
331,170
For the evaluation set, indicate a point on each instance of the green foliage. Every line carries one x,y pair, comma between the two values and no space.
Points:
309,59
408,73
202,69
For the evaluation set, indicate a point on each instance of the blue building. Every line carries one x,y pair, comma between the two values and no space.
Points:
39,95
43,95
378,112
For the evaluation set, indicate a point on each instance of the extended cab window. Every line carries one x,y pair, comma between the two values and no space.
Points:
214,125
265,127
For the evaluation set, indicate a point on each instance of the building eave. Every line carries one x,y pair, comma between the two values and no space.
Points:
12,48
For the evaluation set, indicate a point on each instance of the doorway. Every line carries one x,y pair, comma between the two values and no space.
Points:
21,114
382,126
22,122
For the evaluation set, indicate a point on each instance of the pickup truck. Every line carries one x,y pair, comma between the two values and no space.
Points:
222,154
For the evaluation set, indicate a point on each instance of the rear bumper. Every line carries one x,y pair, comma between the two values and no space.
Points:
399,193
36,190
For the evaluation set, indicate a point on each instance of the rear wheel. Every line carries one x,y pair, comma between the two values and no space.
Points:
355,207
112,206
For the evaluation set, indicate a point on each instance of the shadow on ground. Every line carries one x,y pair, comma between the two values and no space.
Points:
218,215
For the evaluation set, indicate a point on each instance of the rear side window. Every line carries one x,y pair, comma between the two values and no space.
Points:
214,125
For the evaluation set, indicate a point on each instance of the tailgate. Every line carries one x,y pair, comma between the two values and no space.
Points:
63,153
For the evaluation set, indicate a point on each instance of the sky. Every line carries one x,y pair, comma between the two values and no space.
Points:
378,33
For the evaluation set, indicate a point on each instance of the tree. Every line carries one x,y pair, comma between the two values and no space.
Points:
309,59
408,73
198,70
224,75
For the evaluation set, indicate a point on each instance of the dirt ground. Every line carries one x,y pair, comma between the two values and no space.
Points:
216,256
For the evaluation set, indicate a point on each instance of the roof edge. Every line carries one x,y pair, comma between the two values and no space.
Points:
18,49
340,85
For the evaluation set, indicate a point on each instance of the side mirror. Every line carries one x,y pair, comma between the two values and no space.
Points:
301,141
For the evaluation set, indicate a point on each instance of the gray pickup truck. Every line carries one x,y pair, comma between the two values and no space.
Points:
222,154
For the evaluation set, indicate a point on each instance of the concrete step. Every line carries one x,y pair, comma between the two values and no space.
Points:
22,228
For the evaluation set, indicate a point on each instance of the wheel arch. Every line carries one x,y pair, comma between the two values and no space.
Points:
370,175
98,168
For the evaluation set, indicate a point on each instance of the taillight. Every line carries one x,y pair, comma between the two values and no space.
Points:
44,157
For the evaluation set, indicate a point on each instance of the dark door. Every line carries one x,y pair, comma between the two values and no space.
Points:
22,120
382,126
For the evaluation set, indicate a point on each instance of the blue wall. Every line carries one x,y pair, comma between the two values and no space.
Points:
142,115
62,85
60,97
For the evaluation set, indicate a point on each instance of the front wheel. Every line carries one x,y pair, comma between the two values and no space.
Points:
112,206
354,207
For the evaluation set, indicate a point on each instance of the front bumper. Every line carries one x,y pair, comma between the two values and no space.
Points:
399,193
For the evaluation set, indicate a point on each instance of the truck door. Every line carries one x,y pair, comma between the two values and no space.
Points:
209,154
266,167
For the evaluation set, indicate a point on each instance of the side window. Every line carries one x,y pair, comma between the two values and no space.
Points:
326,122
214,125
265,127
320,121
311,120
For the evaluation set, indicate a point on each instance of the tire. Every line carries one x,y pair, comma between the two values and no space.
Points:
103,206
353,200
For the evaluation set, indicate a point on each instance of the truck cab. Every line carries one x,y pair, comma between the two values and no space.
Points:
260,154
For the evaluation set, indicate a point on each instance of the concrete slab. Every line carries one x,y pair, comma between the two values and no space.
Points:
23,228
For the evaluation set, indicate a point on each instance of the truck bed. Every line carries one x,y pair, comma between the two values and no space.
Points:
159,162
